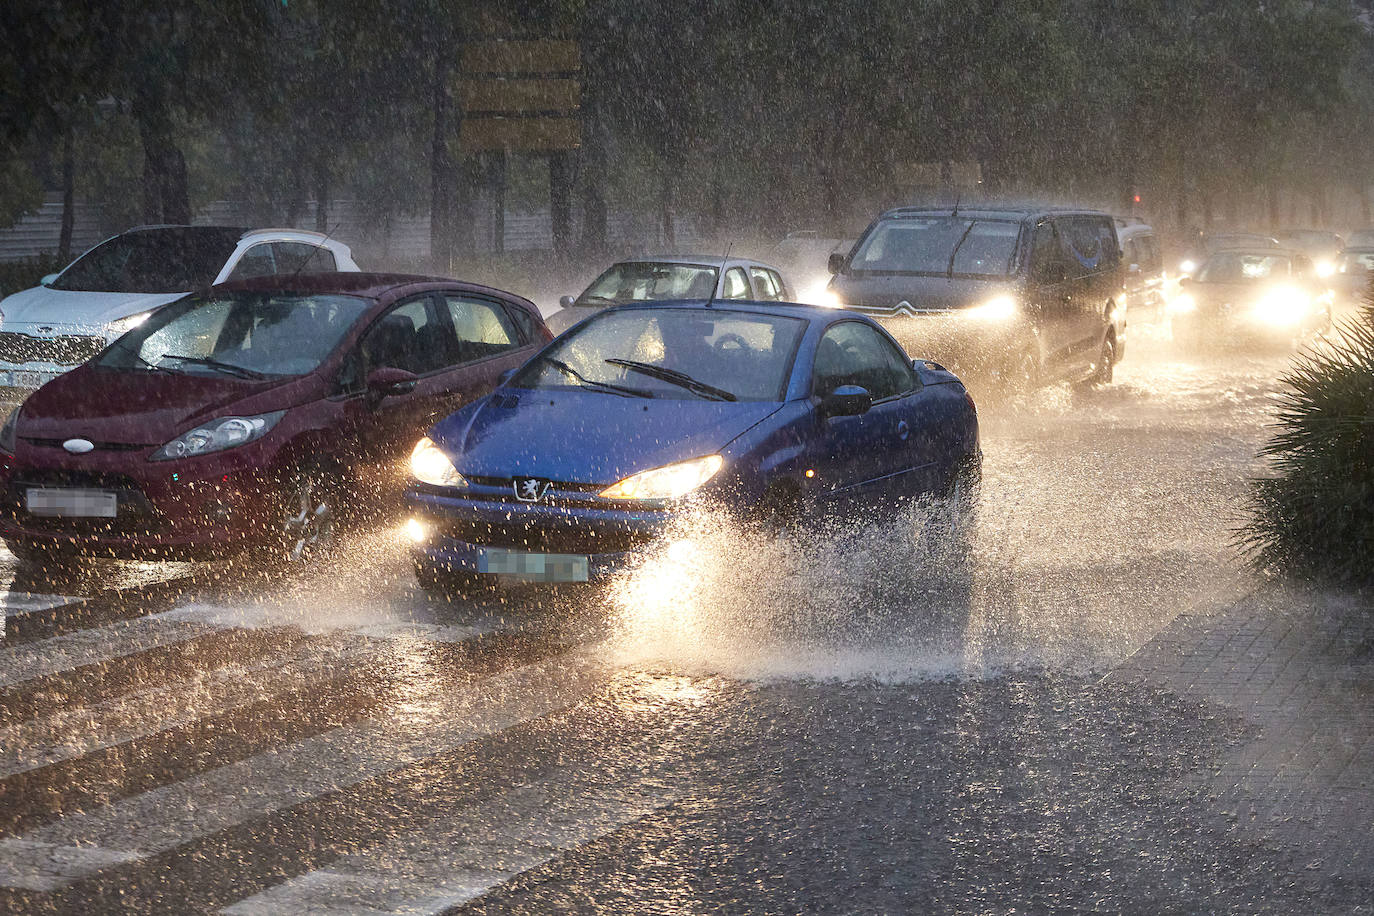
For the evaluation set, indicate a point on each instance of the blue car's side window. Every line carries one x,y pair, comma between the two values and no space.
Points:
852,353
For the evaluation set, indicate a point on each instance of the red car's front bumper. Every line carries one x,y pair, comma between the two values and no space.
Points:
202,506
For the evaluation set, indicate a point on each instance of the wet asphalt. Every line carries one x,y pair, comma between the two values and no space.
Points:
896,716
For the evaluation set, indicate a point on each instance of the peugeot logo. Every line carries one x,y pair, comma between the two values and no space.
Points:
78,446
530,489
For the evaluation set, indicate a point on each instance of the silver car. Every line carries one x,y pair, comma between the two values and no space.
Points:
653,277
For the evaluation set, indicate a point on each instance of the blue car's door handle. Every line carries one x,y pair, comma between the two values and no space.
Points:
903,430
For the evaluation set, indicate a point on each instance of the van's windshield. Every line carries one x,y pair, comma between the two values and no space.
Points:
943,245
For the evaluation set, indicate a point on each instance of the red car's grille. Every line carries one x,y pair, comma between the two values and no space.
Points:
67,350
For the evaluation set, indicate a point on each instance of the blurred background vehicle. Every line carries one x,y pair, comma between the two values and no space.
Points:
1319,245
1242,297
74,314
805,254
1206,243
1147,280
1016,296
1350,281
654,278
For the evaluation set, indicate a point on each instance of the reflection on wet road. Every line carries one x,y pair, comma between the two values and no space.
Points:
895,715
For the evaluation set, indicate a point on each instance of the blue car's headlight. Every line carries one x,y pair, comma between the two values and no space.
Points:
430,465
218,435
668,482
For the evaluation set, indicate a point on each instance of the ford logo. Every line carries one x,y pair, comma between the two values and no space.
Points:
78,446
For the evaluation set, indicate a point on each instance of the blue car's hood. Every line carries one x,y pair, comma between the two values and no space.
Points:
586,437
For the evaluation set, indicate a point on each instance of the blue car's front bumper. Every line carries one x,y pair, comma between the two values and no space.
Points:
460,533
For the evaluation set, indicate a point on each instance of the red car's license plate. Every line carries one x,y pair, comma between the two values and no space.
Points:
71,503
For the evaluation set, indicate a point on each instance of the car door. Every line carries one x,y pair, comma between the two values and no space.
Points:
488,337
1093,260
878,455
1050,296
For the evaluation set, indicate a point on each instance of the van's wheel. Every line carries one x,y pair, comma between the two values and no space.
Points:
308,526
1106,361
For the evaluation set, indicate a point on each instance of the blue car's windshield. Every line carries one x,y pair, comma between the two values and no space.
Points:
700,353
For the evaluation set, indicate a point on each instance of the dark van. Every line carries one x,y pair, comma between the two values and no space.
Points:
1019,296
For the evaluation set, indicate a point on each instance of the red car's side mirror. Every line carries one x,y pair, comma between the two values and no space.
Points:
388,380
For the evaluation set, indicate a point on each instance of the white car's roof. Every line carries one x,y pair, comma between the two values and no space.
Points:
705,260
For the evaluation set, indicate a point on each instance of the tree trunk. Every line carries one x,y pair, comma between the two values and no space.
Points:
64,239
441,168
321,197
166,197
560,201
665,207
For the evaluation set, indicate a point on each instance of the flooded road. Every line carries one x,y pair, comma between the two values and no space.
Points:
895,716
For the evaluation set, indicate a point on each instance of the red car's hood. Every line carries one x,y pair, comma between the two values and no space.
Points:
146,408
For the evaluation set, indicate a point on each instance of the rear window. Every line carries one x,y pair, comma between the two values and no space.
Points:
156,261
1243,267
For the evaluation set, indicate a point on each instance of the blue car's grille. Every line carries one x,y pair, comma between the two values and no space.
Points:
553,537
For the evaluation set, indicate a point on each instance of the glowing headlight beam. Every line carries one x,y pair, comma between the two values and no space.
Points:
668,482
1282,306
1000,308
429,464
1182,303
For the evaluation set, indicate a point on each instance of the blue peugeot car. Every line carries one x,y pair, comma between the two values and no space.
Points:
588,452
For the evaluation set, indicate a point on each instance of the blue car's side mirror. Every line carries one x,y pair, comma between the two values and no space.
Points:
506,376
846,401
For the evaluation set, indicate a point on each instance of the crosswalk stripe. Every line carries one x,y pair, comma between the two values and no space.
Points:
76,732
455,860
160,820
101,644
18,604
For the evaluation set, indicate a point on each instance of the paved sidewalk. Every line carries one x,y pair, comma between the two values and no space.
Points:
1298,666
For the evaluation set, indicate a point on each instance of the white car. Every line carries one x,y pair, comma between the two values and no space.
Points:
672,277
73,315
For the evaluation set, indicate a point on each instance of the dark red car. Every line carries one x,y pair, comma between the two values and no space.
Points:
248,414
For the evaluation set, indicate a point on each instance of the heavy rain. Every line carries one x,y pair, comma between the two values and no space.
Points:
610,457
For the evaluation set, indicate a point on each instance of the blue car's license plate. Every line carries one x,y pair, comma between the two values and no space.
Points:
540,567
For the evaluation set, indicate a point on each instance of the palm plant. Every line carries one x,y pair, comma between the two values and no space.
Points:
1314,518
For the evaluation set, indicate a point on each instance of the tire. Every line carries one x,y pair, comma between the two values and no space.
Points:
1106,362
309,518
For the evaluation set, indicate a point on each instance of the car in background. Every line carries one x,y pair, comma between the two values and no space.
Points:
656,278
74,314
773,412
1360,238
1259,295
250,413
1147,281
1019,296
1209,242
1350,281
805,254
1318,244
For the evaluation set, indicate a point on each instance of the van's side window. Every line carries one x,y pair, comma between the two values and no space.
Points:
1046,266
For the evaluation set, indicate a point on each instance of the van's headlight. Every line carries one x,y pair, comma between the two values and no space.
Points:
1325,268
1187,266
1000,308
117,329
218,435
1182,304
429,464
1282,306
668,482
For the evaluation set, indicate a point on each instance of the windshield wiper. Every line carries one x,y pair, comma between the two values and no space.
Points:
674,377
949,272
151,367
581,379
226,368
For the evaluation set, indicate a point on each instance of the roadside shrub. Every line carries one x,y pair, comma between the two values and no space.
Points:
1315,518
17,275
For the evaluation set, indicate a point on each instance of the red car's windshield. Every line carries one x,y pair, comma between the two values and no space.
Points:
245,334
